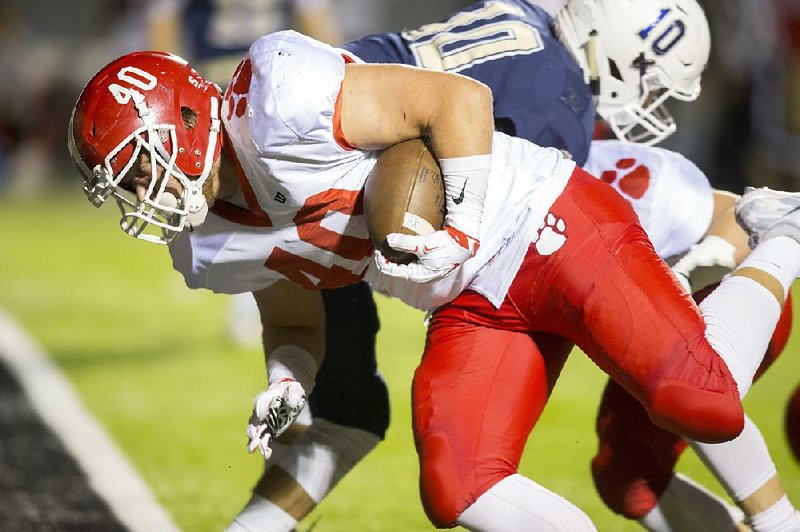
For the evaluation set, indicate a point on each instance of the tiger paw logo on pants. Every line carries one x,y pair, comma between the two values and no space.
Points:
634,183
551,235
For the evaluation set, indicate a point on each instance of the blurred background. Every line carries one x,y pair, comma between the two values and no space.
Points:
50,48
155,363
744,129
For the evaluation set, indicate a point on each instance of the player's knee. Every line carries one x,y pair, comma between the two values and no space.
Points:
634,463
349,390
440,486
361,402
625,436
696,396
704,415
379,420
442,503
445,489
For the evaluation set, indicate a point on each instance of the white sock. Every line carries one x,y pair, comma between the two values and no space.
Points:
780,517
518,503
323,454
261,515
686,505
316,460
741,465
741,314
779,257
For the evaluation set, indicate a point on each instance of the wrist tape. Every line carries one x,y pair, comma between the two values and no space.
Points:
292,362
711,251
465,182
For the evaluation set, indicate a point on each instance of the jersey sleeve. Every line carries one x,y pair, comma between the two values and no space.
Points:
671,196
223,257
687,202
295,84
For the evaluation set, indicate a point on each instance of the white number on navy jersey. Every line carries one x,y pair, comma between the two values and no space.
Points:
450,46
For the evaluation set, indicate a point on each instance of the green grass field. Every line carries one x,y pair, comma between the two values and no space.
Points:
151,360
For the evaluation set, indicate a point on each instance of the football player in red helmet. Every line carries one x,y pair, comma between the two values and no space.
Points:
303,122
148,113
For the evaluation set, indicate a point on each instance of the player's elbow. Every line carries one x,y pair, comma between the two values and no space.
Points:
465,107
472,95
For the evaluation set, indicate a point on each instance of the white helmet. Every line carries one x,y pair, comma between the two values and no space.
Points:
636,54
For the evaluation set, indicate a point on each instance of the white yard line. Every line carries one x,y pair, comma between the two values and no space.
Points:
109,473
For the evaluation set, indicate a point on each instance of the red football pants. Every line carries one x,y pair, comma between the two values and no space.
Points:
483,381
635,459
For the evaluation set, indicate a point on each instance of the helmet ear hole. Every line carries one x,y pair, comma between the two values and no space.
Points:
189,117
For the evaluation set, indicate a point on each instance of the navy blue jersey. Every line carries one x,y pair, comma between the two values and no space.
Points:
539,91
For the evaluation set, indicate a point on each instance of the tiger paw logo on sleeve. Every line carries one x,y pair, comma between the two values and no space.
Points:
629,177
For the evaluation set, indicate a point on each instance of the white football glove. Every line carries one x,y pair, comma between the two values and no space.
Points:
438,253
274,410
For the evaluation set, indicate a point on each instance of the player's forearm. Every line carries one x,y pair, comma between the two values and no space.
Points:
310,340
293,321
293,357
294,352
724,224
722,248
318,22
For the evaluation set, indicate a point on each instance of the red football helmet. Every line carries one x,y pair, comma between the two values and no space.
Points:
138,102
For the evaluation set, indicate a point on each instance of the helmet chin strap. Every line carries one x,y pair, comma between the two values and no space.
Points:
196,218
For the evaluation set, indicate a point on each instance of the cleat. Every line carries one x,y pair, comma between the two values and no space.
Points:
765,213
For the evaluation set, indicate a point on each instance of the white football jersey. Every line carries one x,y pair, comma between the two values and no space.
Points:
299,214
671,196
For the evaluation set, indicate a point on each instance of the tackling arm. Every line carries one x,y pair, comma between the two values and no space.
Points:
724,224
722,248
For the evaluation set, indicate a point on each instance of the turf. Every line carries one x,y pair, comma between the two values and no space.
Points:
152,361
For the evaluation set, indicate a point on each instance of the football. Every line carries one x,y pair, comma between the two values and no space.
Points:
404,193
